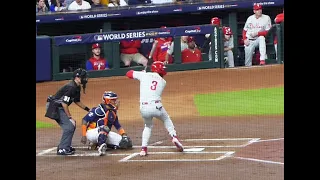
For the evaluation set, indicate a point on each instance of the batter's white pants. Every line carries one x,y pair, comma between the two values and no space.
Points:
261,42
113,138
150,110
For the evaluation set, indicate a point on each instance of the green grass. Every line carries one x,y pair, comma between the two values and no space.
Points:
267,101
40,124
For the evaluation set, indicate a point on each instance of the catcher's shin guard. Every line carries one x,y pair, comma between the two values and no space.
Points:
102,138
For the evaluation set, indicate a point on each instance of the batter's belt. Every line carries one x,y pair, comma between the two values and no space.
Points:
151,102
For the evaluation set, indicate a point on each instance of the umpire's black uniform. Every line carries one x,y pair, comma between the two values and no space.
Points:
67,94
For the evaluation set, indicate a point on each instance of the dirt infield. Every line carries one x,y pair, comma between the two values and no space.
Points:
246,147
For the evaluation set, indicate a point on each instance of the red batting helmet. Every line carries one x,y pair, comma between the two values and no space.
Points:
215,21
226,31
158,67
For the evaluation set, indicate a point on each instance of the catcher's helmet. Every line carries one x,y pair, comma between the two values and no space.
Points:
109,95
158,67
215,21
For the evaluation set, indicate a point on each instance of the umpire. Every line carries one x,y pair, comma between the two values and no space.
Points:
58,109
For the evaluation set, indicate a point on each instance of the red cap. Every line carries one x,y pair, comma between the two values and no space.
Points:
96,45
190,39
215,21
226,30
257,6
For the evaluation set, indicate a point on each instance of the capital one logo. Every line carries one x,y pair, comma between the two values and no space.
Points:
75,39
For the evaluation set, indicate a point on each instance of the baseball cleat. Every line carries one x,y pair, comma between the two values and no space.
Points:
72,149
102,149
65,152
178,144
144,151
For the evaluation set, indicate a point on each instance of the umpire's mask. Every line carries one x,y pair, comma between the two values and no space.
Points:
82,74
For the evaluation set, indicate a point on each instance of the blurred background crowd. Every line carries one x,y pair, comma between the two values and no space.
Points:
43,6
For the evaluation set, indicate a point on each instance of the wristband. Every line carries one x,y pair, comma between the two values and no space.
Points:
87,109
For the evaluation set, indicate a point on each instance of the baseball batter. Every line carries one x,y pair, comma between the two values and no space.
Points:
152,85
97,124
254,32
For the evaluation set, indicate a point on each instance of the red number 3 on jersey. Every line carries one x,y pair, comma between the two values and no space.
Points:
154,85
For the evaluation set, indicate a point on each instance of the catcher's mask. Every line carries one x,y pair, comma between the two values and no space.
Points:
110,97
158,67
83,75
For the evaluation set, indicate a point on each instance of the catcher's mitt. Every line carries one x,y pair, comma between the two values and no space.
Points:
125,143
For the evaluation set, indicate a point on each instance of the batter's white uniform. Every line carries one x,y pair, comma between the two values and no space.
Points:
151,87
113,138
253,26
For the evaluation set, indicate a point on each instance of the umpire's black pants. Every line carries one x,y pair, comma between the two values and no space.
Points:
68,129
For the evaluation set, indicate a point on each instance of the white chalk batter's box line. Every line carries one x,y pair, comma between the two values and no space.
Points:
129,158
48,152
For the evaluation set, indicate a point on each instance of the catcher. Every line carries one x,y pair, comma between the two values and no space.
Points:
97,123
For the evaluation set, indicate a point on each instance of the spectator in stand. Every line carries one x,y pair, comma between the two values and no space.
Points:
56,5
116,3
68,2
96,4
96,62
105,2
162,1
41,6
79,5
138,2
192,53
184,45
130,52
253,34
161,47
278,20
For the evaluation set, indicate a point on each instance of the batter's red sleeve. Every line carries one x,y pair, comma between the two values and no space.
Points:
129,74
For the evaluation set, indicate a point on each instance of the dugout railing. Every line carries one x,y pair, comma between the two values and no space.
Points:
75,49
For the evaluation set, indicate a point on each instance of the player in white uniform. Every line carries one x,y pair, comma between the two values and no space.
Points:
254,32
228,42
151,86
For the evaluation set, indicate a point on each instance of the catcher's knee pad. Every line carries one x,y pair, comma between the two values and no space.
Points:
102,138
104,129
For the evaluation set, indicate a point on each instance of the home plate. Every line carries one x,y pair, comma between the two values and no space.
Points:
193,150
